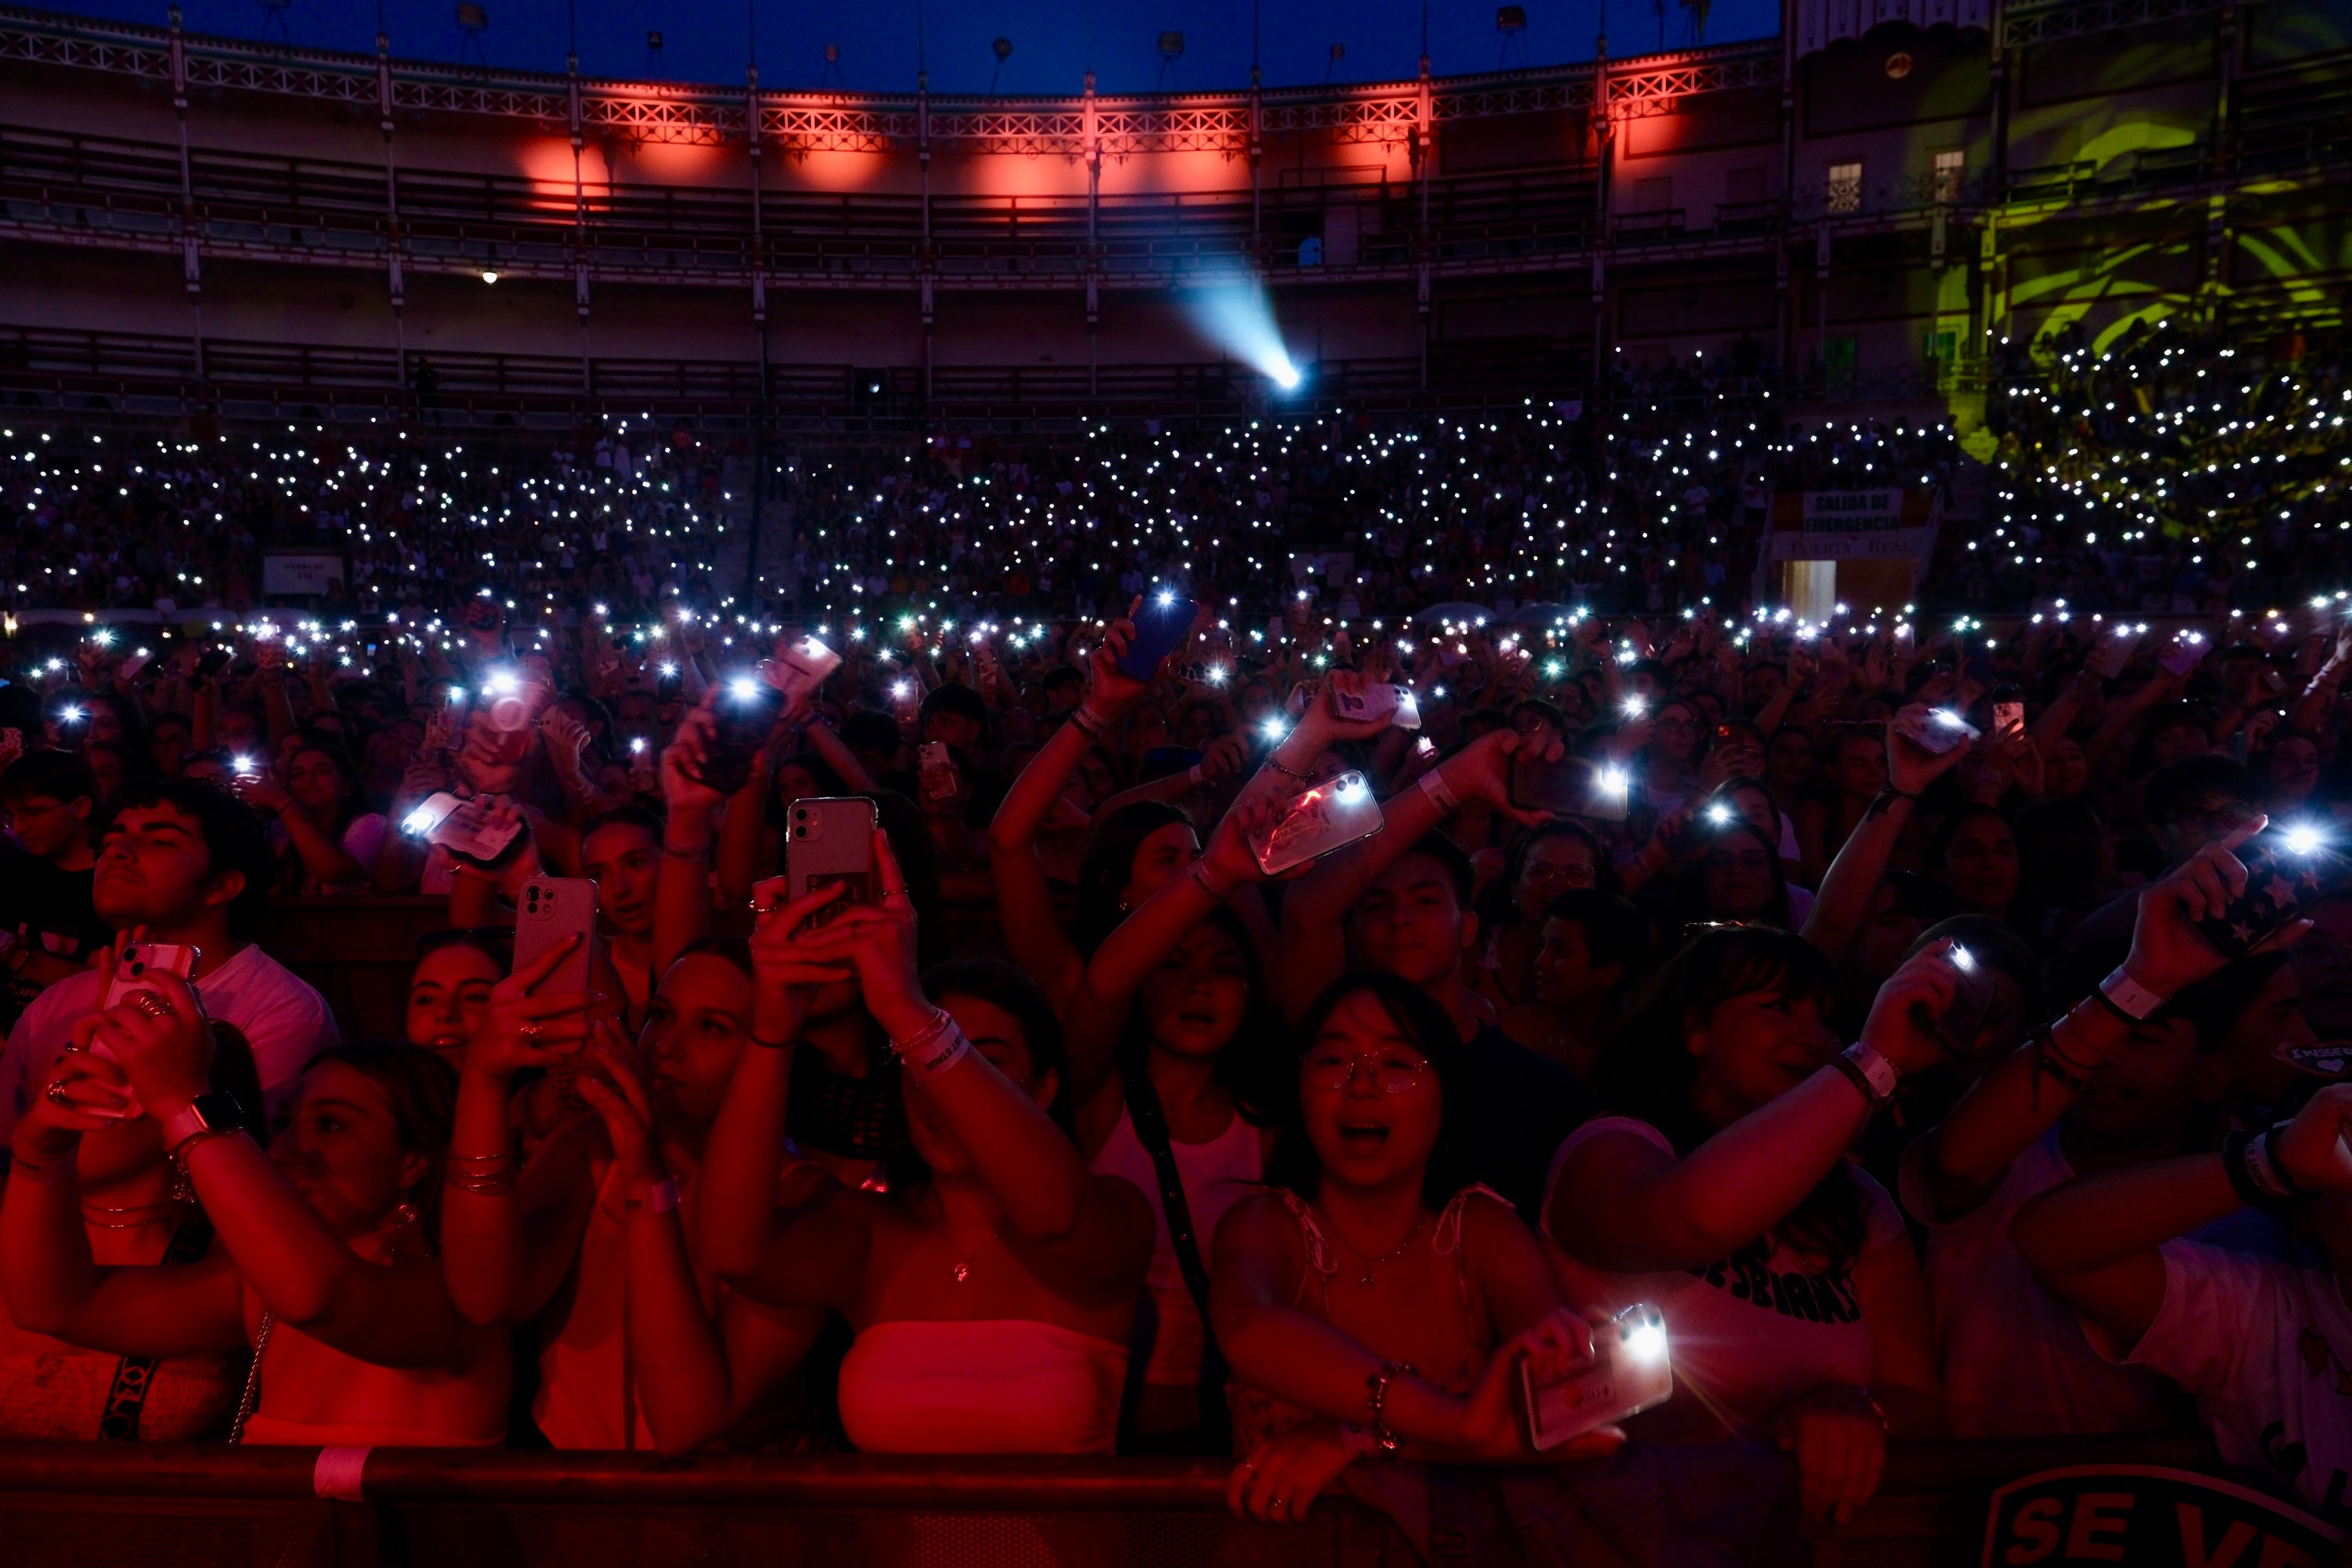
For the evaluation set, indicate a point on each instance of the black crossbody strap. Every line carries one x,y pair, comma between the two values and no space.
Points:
126,1396
1143,1109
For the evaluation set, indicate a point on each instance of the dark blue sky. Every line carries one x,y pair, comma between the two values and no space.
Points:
1053,40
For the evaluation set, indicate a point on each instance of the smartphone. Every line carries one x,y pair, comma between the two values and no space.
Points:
2289,867
937,769
462,832
1939,730
799,668
2115,652
2188,651
141,960
1380,700
1336,812
429,815
137,661
214,661
1562,786
549,911
830,839
743,718
1958,1026
1162,624
1630,1372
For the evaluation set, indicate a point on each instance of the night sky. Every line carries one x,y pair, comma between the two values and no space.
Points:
1053,40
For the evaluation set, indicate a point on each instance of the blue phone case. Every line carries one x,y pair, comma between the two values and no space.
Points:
1158,629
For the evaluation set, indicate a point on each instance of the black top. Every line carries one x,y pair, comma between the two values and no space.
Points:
1522,1106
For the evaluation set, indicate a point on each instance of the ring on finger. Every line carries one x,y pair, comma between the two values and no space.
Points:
532,1032
153,1005
56,1092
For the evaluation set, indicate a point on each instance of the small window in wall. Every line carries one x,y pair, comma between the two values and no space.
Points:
1948,169
1844,193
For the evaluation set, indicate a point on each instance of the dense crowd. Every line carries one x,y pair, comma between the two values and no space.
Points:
1085,1019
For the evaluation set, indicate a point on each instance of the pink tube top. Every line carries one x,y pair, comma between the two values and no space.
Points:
989,1386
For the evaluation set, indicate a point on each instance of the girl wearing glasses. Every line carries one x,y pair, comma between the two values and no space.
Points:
1372,1303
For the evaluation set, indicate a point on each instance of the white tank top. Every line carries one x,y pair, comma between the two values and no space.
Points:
1168,1338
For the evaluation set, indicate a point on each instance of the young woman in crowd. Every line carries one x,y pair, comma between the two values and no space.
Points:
136,1209
1177,1061
1719,1190
1973,857
993,1285
326,1258
1541,864
450,989
326,840
1373,1303
637,1348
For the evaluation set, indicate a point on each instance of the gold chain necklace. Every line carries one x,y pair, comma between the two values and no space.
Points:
1368,1280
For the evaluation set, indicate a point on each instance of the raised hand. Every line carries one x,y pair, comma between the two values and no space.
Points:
2313,1148
790,962
1837,1439
682,760
524,1030
1910,766
2168,951
615,1087
1925,988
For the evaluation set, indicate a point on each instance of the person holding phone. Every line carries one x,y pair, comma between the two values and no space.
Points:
184,863
137,1212
639,1348
2094,1092
1719,1189
326,1260
1176,1065
1375,1303
993,1285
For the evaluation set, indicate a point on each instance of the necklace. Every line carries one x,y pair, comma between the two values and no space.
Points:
144,1214
1369,1280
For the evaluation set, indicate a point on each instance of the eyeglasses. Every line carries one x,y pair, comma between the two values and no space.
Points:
1575,876
1393,1072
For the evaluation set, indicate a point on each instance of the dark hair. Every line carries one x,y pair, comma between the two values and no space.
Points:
1614,931
1459,872
494,942
1690,906
129,723
422,1090
870,731
63,776
1647,1070
1997,946
2058,862
2174,786
1061,675
1950,828
828,780
901,821
232,835
1000,985
1252,1067
729,950
629,815
1497,906
1429,1030
1548,711
959,702
1108,864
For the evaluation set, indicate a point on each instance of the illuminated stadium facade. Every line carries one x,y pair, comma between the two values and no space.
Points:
1870,203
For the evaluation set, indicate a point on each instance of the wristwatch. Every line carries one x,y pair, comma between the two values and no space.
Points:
208,1114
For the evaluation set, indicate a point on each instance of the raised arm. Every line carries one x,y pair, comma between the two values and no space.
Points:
509,1233
1099,1009
1966,1158
1024,906
696,1371
1845,899
1314,943
737,1223
51,1285
682,885
1622,1203
396,1314
1031,1166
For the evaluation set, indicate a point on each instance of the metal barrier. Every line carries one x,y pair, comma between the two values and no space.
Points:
198,1506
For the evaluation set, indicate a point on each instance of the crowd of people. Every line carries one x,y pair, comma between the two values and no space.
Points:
2161,471
1291,1046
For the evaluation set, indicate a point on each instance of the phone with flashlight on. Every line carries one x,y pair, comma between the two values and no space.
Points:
2290,866
1630,1372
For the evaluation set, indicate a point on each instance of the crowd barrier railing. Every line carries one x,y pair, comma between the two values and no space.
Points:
200,1506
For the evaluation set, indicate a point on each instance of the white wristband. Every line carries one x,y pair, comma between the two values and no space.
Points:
2129,996
932,1049
1434,787
1875,1070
